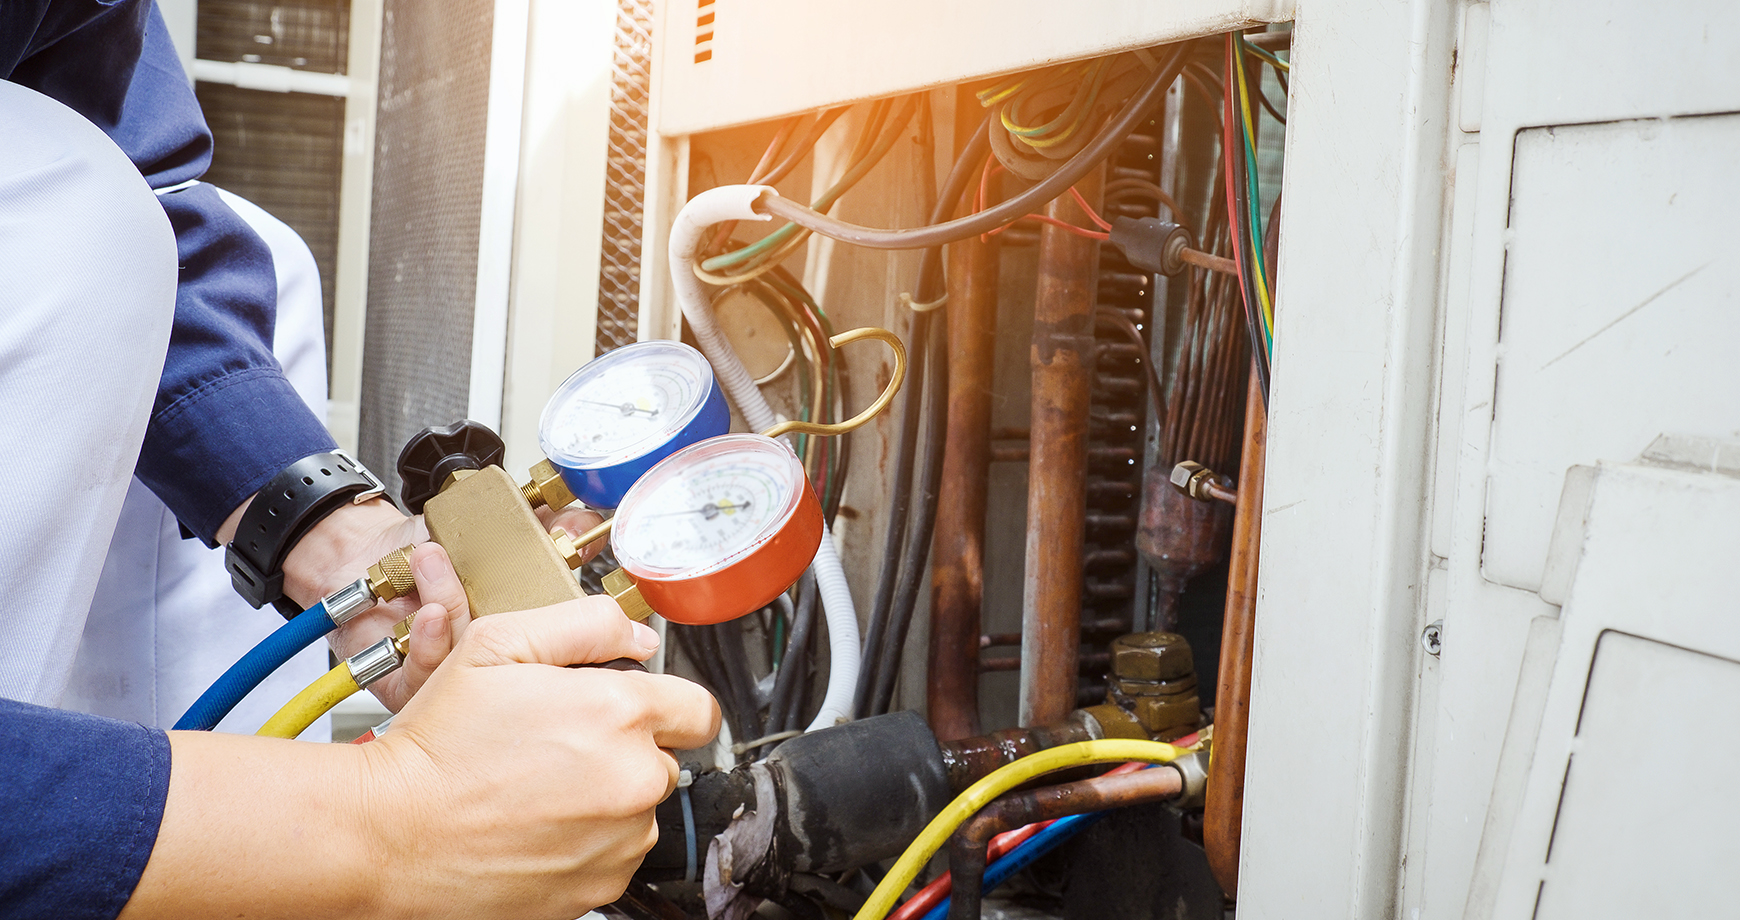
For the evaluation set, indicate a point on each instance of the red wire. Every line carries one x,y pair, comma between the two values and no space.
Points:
979,205
932,894
1091,213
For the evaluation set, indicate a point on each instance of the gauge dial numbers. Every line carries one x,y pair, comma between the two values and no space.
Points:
718,529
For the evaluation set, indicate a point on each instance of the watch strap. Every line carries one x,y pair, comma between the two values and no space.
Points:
282,512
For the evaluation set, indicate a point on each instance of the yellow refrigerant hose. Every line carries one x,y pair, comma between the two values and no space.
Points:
316,700
983,792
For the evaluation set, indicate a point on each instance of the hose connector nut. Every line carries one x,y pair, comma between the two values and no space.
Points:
343,605
391,577
375,662
1193,769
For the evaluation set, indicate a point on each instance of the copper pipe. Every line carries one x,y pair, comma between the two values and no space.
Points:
1208,260
1062,358
968,846
1019,453
1224,809
1091,663
957,586
970,759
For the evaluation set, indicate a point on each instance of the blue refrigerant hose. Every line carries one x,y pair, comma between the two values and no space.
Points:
1022,856
216,702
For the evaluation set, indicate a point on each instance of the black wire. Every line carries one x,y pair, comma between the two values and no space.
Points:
729,636
899,506
804,146
1116,130
794,664
930,283
1257,88
918,541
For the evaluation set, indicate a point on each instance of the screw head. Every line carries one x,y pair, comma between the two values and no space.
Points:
1432,638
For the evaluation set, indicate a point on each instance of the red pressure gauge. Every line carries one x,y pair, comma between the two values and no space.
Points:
718,529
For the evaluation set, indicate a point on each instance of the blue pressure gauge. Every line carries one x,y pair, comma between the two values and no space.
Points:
625,411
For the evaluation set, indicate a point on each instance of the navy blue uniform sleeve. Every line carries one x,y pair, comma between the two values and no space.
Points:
80,806
225,419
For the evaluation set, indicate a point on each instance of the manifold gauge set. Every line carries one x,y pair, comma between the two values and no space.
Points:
710,526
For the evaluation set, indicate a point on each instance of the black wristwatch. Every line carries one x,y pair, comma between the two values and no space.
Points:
285,509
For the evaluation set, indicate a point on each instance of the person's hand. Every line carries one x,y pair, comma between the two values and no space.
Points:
339,550
509,789
532,782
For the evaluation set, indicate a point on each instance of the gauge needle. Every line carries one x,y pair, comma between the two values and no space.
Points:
708,511
624,408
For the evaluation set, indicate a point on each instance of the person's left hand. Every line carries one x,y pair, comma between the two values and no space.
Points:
339,550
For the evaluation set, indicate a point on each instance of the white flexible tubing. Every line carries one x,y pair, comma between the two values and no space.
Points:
735,202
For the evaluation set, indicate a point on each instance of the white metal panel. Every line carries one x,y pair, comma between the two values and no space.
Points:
1546,62
1343,556
1620,298
560,216
774,57
355,200
1664,846
495,236
1645,732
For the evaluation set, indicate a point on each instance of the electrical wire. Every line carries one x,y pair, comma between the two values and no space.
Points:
235,684
1231,152
769,202
873,144
1270,57
316,700
983,792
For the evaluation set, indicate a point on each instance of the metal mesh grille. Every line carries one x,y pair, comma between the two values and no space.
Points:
428,191
303,34
625,177
283,152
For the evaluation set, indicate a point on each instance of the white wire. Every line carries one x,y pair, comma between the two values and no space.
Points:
736,202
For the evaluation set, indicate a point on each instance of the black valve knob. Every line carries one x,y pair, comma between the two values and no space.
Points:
436,453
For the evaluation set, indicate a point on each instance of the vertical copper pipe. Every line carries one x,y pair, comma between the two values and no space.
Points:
1225,805
1062,358
958,550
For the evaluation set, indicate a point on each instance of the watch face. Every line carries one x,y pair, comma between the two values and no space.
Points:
707,505
624,404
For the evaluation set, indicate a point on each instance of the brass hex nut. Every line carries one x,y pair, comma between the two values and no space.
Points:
1152,656
1183,686
1167,716
547,487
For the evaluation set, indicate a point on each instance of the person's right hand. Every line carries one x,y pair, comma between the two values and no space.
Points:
520,788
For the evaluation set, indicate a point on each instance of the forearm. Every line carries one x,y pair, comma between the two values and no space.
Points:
262,828
337,550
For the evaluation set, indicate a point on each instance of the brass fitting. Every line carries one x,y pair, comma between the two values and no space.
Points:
402,636
621,586
391,577
503,554
565,546
1201,483
547,488
1154,681
1152,656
